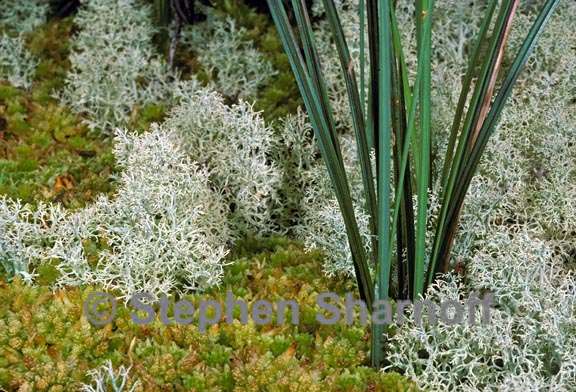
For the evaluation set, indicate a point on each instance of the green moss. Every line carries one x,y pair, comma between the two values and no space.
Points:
7,91
45,342
48,154
143,117
50,43
47,273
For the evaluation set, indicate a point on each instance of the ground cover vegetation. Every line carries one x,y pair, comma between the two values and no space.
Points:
128,163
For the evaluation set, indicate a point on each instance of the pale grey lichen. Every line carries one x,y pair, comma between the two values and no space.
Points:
114,65
25,235
296,154
528,341
235,144
23,16
234,66
105,378
17,65
165,229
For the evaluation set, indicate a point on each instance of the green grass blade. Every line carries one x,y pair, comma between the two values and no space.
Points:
384,133
425,17
405,231
384,142
372,118
314,68
399,55
362,17
163,16
488,92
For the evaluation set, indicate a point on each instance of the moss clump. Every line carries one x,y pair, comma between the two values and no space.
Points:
46,343
50,44
47,154
142,117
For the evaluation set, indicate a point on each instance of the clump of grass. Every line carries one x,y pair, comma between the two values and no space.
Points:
395,121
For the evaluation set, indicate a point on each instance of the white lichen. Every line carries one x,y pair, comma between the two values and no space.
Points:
17,65
105,378
528,341
25,235
23,16
235,144
232,63
296,154
165,230
114,67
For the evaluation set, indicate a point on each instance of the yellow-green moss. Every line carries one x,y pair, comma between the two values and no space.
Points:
46,343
